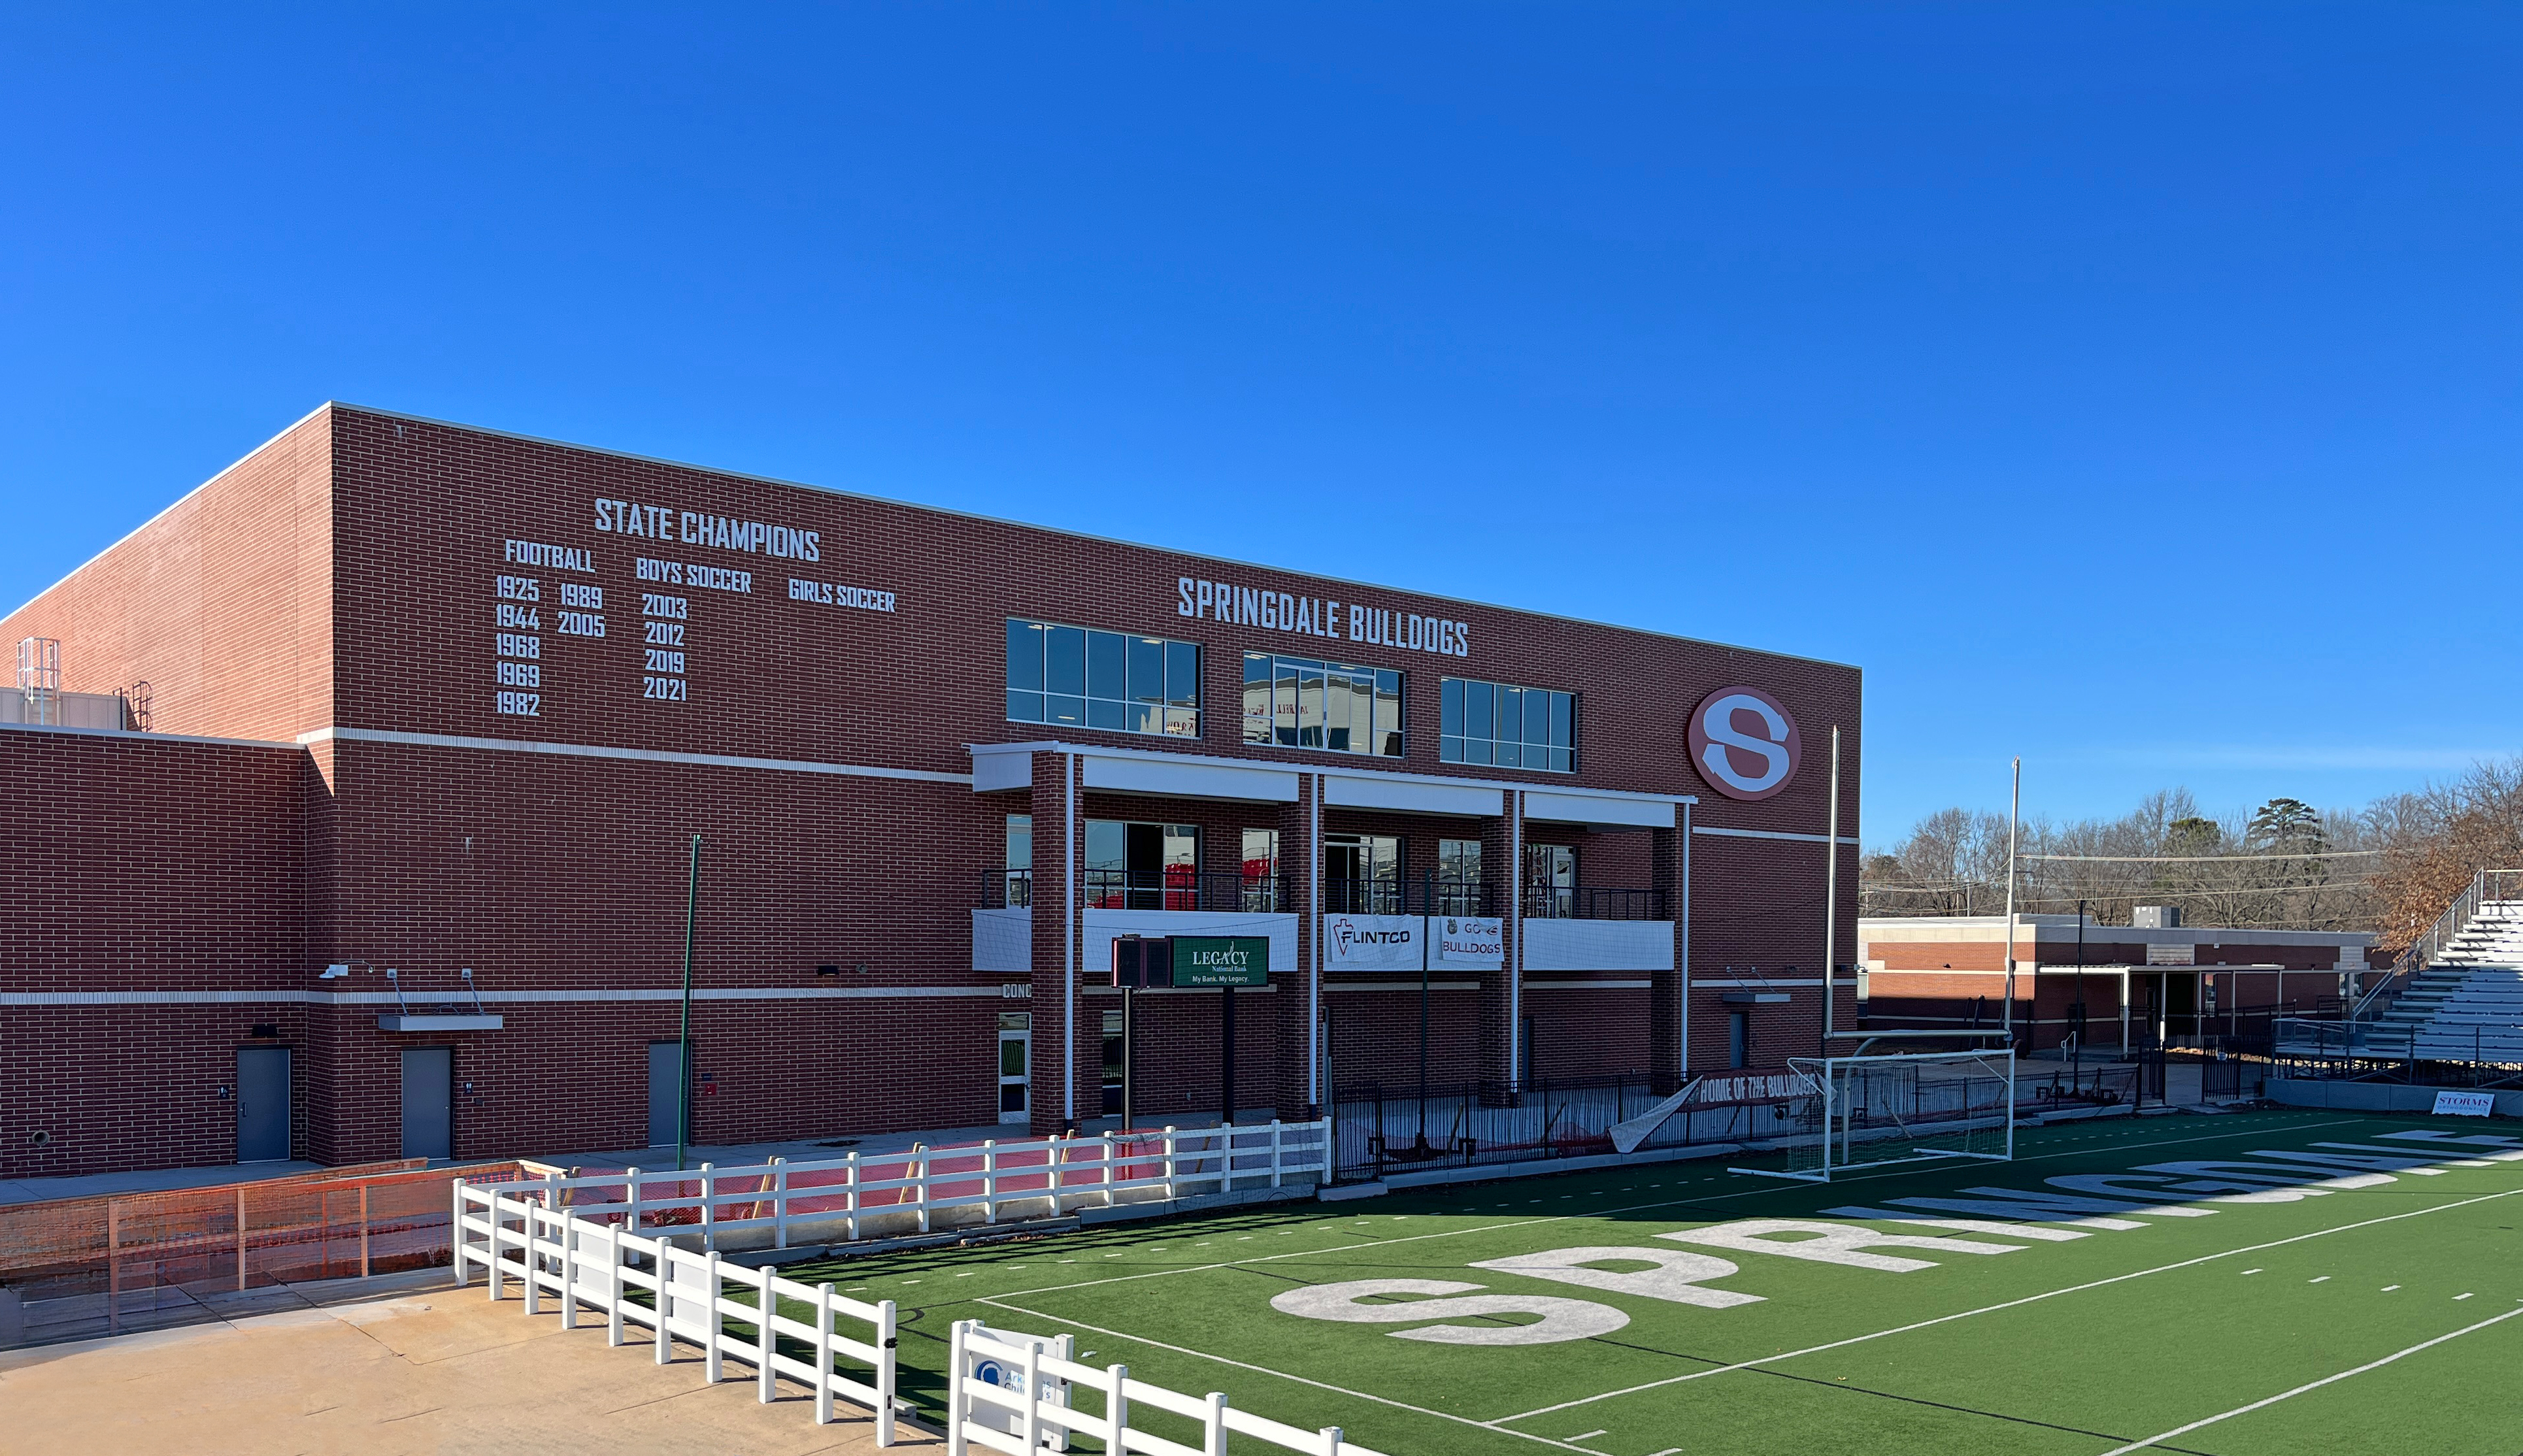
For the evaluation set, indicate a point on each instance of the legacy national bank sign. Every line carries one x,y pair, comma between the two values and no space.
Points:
1325,617
1396,942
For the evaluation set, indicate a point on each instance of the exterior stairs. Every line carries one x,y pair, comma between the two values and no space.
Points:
2467,1005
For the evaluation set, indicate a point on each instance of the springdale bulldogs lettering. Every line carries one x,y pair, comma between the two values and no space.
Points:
1744,743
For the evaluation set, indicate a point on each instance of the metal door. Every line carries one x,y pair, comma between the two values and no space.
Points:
665,1081
429,1101
1016,1061
263,1104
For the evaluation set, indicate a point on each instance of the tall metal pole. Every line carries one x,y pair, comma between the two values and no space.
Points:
684,1038
1830,900
1427,883
2014,804
2080,1053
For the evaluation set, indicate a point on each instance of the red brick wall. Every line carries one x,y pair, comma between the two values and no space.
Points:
222,602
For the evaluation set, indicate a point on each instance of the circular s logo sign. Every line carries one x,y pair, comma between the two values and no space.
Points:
1744,743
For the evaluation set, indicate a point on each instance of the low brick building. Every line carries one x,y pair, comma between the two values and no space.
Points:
432,715
2144,985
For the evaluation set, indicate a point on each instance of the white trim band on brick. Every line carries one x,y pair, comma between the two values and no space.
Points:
1587,985
1766,834
513,997
635,755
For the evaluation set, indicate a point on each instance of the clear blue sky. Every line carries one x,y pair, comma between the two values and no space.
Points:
2131,387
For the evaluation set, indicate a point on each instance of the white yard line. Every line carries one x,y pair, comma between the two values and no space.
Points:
2245,1410
1947,1319
1528,1223
1399,1405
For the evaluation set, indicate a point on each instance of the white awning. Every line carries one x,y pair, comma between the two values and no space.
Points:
1611,810
1350,791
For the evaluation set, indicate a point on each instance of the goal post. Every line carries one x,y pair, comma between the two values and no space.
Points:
1853,1112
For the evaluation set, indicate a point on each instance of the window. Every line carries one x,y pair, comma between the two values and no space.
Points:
1298,702
1362,874
1069,677
1017,876
1142,866
1260,869
1112,1063
1513,727
1458,878
1550,882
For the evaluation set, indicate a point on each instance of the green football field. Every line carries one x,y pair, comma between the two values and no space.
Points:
2255,1283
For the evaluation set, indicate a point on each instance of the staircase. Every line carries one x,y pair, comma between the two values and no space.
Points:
2467,1004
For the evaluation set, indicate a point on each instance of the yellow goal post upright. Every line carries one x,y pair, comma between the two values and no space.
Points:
1864,1112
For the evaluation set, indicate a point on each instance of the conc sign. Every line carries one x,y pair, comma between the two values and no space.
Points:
1744,743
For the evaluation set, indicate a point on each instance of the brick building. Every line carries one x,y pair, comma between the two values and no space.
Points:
398,863
2155,983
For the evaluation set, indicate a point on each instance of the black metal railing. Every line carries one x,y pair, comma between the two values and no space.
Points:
1546,902
1185,888
1007,889
1425,896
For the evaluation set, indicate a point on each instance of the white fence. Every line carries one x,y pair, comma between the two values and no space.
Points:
585,1262
1034,1404
777,1204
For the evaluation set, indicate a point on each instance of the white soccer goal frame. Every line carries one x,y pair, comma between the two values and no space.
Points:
1838,1132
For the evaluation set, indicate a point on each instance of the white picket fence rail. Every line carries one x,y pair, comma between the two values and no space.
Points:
1051,1175
1043,1408
585,1262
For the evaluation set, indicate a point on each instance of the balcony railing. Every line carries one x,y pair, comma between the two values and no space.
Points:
1184,888
1007,889
1424,896
1594,902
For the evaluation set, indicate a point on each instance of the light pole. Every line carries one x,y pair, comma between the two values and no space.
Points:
684,1040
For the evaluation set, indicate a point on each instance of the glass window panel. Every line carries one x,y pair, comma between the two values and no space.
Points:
1064,661
1450,707
1361,713
1106,665
1261,853
1560,725
1283,703
1510,754
1024,654
1510,714
1182,674
1476,750
1024,707
1067,710
1537,717
1183,723
1563,760
1147,669
1336,699
1478,698
1450,750
1309,707
1144,718
1106,713
1107,845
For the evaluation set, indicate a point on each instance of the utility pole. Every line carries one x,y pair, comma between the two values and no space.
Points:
2014,807
684,1040
1830,900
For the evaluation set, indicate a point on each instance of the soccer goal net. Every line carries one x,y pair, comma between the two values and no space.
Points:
1853,1112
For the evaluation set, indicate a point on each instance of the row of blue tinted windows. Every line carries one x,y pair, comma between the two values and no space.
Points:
1073,677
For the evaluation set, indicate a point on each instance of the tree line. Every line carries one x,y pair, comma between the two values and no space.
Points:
2389,868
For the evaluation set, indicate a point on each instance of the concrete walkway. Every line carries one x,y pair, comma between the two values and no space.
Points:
145,1181
434,1369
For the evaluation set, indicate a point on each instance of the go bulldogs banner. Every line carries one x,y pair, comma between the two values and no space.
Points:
1392,942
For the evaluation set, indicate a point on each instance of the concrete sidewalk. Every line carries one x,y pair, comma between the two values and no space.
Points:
438,1368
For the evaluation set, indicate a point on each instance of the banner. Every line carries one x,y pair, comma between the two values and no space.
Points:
1371,943
1470,943
1392,942
2465,1103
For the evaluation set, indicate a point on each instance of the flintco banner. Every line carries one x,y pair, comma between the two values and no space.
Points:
1392,942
